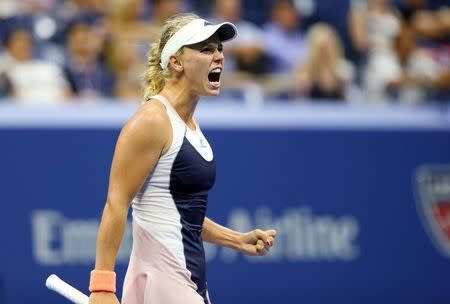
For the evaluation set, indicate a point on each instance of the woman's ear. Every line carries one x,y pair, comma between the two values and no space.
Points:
176,63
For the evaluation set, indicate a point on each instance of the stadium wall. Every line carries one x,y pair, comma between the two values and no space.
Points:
354,192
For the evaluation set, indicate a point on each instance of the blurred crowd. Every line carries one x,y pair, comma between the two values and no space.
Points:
365,51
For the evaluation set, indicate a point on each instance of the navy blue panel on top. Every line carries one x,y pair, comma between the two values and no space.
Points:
190,180
191,173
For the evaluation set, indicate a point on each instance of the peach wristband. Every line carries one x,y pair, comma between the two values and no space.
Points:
102,280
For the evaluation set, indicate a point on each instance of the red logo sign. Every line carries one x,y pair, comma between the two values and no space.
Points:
433,184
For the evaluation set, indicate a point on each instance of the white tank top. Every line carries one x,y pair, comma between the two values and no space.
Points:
171,204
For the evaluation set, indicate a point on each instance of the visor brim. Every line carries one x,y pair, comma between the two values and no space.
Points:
226,31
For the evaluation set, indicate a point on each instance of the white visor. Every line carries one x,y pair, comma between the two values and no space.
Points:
196,31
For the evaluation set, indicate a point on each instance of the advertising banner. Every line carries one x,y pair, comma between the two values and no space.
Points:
362,214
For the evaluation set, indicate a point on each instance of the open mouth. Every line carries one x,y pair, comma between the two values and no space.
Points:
214,77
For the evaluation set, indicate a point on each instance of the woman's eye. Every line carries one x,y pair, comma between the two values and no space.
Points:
207,50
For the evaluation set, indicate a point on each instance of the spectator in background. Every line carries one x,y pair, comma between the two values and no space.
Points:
87,74
31,80
373,26
93,10
45,25
433,30
326,74
283,40
127,67
417,73
37,16
161,10
443,82
125,22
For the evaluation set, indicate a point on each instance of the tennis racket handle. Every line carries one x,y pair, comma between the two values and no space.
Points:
53,282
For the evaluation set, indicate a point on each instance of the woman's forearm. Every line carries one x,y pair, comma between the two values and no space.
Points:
218,234
110,234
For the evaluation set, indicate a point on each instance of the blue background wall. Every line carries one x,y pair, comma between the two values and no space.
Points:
342,200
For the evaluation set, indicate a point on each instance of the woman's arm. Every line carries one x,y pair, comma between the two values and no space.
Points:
140,144
256,242
357,28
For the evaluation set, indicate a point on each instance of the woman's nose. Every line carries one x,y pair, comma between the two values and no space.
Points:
218,55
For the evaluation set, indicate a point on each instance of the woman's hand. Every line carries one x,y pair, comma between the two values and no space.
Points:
256,242
103,298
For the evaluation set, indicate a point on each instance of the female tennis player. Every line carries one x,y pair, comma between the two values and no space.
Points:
164,167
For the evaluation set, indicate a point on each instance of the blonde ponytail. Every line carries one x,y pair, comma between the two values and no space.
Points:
155,76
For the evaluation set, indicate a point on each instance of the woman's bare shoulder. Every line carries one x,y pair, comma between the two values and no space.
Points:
150,114
150,123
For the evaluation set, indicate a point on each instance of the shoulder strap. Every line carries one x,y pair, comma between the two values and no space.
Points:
160,98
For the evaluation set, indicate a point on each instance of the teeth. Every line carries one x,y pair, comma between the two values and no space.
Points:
216,70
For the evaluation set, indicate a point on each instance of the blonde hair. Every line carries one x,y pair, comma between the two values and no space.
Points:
315,34
155,76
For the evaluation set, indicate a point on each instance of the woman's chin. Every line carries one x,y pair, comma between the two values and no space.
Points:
212,90
214,93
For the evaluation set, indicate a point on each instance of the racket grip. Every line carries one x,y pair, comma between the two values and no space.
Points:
54,283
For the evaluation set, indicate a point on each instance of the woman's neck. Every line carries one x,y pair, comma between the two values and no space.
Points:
182,100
